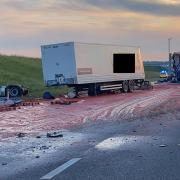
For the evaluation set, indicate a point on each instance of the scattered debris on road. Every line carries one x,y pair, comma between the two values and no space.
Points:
47,95
163,145
4,164
60,101
43,148
15,103
9,102
7,108
64,101
54,135
146,85
30,103
20,135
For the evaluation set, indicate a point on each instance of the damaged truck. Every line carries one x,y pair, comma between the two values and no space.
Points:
175,65
95,68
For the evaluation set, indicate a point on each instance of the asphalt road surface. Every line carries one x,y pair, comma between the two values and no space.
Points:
118,137
140,149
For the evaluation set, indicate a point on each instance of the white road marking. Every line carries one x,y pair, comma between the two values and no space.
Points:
60,168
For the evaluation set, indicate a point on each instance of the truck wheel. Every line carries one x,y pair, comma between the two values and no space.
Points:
14,91
91,90
125,86
131,86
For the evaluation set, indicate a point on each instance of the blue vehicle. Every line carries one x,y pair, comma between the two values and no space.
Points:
164,74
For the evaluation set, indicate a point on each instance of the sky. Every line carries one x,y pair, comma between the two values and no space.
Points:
25,25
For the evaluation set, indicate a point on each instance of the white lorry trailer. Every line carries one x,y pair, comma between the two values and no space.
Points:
95,67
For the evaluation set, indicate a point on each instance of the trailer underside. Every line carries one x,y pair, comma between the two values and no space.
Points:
94,89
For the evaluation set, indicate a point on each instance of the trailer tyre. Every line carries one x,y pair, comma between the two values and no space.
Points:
131,86
91,90
125,86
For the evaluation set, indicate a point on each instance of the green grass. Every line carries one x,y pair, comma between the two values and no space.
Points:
152,72
28,72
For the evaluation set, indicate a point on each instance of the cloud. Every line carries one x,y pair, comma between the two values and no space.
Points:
154,7
28,24
158,7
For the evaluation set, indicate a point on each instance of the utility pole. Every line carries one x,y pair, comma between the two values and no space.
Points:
169,52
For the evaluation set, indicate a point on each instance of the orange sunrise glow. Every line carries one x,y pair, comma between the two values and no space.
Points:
25,25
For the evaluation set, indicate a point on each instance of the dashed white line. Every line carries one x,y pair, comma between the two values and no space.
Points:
60,169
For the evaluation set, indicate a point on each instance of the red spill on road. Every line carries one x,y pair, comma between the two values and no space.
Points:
45,116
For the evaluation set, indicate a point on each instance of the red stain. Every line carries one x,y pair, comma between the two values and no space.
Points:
46,117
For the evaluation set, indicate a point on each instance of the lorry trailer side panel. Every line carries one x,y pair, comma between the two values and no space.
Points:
95,78
98,61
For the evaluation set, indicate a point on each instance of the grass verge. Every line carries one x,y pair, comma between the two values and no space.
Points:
28,72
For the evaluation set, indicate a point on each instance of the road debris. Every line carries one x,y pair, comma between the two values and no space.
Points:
60,101
47,95
140,156
163,145
6,101
15,103
43,147
64,101
54,135
8,108
29,103
9,102
4,164
20,135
